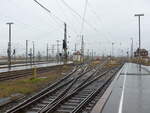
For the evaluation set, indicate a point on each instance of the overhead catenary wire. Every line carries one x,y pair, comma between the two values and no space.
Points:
59,2
46,9
70,8
29,25
76,13
42,6
35,27
56,17
83,19
99,19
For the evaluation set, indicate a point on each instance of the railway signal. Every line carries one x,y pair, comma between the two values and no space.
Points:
65,44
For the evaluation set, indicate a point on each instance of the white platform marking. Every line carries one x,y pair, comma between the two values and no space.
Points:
123,89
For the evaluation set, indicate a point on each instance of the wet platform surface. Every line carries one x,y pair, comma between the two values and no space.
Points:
30,66
22,64
130,92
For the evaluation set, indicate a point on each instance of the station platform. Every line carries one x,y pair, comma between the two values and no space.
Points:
128,93
31,66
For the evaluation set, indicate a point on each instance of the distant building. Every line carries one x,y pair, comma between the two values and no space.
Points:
143,53
77,57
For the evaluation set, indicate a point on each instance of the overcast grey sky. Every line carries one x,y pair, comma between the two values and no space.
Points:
108,21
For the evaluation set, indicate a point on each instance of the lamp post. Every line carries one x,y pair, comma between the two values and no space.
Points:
139,17
9,45
112,49
131,48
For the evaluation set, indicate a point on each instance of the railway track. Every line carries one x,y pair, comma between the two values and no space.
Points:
22,73
76,101
58,85
56,94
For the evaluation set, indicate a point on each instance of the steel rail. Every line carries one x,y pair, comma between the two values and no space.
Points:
69,88
45,92
42,92
52,107
92,95
48,90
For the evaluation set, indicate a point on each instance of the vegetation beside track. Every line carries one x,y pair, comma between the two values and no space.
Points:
94,63
143,61
113,63
28,85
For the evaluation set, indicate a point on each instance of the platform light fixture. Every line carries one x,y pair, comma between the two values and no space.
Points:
139,19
